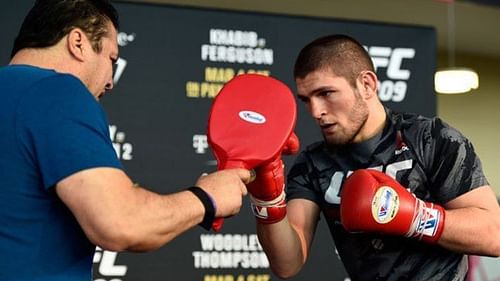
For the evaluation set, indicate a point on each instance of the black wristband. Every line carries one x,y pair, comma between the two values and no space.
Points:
209,205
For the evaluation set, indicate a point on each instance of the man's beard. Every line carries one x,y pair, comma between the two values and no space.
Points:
357,120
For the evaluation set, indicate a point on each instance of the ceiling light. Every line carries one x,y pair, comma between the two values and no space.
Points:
455,80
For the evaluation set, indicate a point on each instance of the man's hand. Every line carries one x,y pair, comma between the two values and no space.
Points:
371,201
267,192
226,188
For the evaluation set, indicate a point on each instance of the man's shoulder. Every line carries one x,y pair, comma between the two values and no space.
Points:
58,81
409,121
60,88
49,93
34,75
423,131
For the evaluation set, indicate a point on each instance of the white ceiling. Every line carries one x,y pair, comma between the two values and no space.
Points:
477,25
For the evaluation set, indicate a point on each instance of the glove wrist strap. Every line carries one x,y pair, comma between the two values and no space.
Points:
271,203
427,224
269,212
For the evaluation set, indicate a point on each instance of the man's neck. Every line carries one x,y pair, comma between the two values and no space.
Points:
374,124
47,58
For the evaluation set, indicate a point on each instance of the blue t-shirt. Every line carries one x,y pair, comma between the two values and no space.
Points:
50,127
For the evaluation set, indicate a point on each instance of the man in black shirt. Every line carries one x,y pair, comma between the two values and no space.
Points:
336,81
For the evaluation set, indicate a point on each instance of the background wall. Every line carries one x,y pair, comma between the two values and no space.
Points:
477,114
476,40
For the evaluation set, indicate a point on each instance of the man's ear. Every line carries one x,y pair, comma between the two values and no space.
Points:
369,83
76,42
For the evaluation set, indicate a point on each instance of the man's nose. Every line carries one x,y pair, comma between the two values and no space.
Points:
317,109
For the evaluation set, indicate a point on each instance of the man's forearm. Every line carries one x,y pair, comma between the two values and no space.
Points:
282,245
472,230
157,219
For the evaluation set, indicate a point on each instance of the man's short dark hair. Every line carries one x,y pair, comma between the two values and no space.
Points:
50,20
339,53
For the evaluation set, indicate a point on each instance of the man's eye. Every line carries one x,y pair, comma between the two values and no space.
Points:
325,93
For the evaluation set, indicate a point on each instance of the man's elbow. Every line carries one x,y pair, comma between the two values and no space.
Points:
112,240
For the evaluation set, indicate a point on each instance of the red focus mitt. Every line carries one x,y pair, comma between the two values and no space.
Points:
251,121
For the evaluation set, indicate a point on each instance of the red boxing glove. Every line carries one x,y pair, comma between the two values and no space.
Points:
267,191
292,145
371,201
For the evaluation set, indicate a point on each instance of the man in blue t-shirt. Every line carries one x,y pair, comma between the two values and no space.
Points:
62,188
